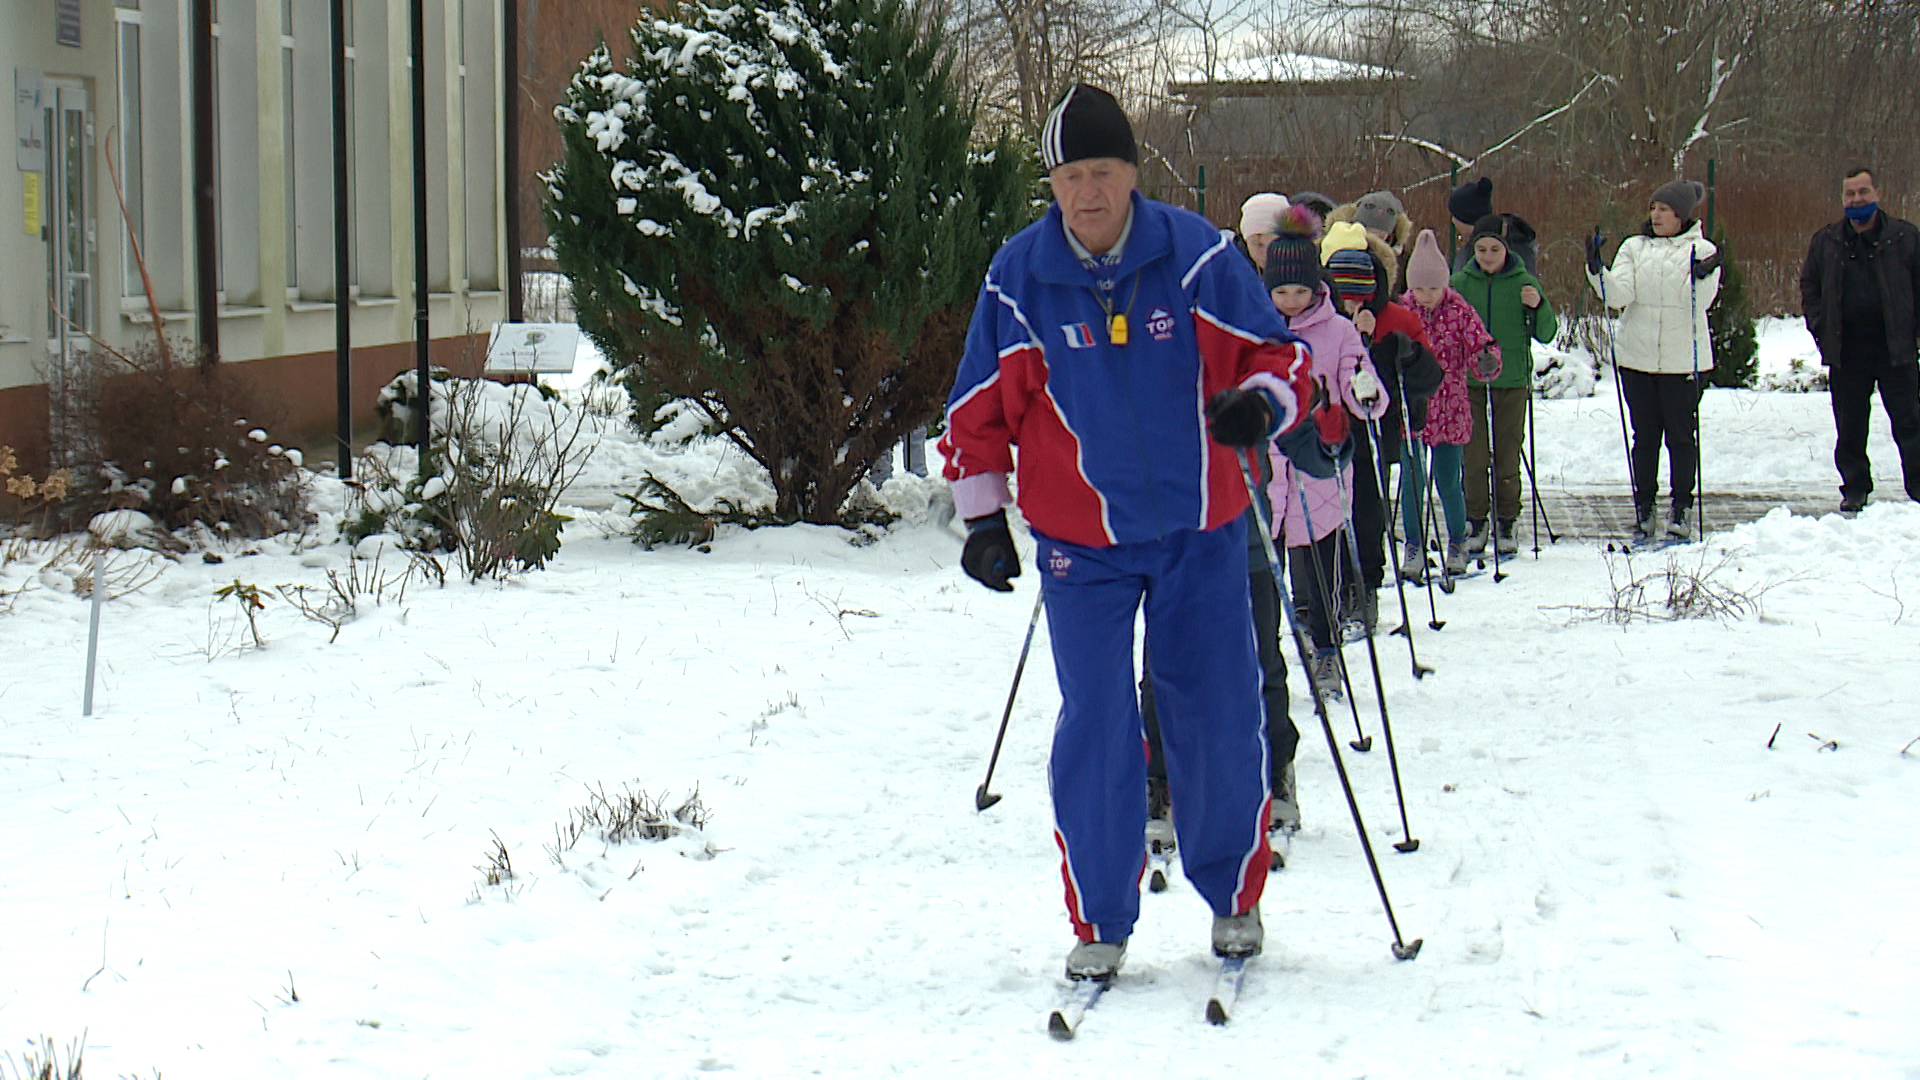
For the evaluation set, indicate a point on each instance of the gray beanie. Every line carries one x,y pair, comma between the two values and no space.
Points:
1682,195
1378,211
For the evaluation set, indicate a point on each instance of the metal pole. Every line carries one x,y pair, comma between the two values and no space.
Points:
93,623
1711,162
422,339
206,224
342,254
1453,233
510,157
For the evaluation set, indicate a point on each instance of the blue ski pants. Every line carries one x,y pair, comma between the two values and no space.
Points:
1206,679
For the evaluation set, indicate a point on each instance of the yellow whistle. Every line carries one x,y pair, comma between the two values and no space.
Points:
1117,329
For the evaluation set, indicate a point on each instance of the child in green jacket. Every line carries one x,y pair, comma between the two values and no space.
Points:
1509,302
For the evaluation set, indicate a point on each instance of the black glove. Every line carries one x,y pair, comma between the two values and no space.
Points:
1704,267
990,557
1303,447
1239,418
1594,265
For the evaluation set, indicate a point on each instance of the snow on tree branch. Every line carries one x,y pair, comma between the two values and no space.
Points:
1522,130
1722,71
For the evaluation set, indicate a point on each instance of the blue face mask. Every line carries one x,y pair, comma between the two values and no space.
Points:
1860,215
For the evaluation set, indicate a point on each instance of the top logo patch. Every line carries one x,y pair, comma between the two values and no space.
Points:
1160,325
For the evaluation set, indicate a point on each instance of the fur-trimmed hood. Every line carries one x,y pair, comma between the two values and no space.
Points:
1388,254
1402,234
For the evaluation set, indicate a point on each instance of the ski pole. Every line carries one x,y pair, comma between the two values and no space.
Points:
1699,391
1529,458
1434,532
982,798
1361,741
1402,949
1493,489
1619,389
1408,844
1420,671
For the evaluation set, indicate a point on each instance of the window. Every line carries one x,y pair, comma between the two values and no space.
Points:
481,159
131,163
288,145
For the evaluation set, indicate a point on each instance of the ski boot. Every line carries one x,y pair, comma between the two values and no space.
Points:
1238,935
1096,961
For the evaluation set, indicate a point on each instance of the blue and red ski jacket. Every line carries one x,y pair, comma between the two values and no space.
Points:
1113,439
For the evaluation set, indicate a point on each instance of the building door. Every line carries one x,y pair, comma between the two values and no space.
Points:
71,244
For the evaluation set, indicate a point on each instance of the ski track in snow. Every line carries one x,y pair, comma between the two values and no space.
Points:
1616,877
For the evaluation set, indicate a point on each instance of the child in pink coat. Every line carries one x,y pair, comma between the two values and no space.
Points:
1342,366
1463,346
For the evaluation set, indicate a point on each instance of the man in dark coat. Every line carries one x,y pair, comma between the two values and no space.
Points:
1857,291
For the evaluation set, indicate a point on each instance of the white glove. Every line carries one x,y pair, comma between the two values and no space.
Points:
1366,388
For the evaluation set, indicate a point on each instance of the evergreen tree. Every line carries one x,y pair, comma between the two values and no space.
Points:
783,213
1730,323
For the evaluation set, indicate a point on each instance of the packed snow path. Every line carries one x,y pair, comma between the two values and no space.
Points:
1617,876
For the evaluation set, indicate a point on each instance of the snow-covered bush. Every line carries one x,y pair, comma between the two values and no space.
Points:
782,213
1802,375
184,440
1563,373
503,456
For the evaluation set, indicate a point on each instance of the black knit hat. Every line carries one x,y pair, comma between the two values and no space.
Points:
1494,225
1088,123
1472,201
1294,256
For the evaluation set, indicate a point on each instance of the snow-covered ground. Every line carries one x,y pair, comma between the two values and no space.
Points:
1617,876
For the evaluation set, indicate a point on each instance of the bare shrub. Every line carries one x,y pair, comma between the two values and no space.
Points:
184,443
501,473
42,1060
338,603
1675,593
629,815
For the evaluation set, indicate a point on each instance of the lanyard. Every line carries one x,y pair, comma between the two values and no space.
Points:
1117,320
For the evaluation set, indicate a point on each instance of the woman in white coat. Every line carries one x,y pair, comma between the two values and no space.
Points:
1662,282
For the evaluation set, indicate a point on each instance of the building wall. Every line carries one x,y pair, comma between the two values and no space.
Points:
276,192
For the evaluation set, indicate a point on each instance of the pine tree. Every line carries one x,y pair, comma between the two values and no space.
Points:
783,214
1730,323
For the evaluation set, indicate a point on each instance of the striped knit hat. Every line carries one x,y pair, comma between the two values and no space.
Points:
1351,273
1088,123
1292,258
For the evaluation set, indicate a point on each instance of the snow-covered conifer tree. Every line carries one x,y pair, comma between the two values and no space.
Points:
784,212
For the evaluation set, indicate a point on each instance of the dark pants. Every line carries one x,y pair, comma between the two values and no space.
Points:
1283,739
1369,510
1851,383
1318,584
1509,437
1664,408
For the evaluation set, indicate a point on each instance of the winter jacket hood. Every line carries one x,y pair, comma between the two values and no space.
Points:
1663,307
1388,251
1521,241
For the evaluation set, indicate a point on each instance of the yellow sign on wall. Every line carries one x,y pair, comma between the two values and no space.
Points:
30,186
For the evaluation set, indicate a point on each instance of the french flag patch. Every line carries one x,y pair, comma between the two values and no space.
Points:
1079,335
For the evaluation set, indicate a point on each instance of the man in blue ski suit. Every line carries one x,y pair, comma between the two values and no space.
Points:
1111,339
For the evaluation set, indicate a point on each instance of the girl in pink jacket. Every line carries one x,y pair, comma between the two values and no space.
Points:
1343,368
1463,346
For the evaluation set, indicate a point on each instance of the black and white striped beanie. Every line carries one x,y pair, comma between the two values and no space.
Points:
1088,123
